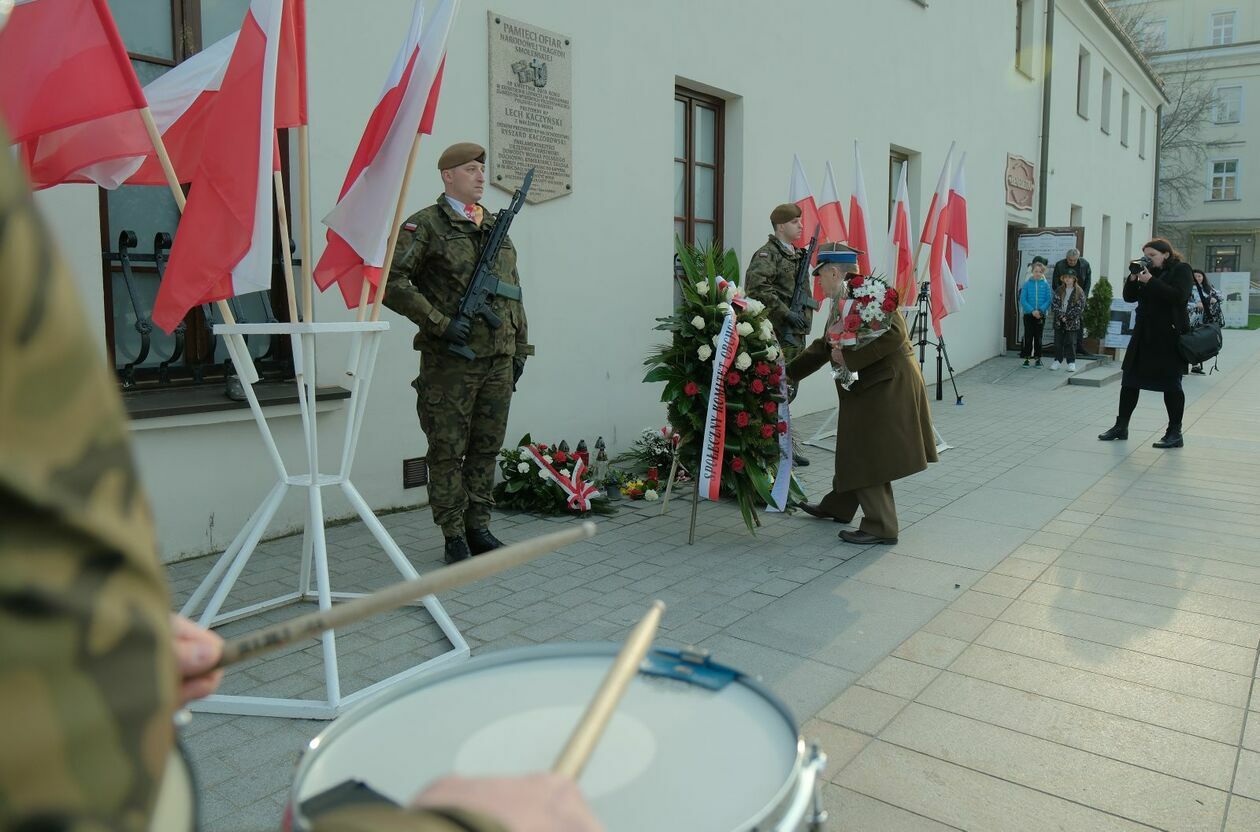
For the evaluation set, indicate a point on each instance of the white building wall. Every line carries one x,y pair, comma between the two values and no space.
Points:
596,265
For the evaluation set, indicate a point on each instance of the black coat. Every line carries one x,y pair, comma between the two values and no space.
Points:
1151,360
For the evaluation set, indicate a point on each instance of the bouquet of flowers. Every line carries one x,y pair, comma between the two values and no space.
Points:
861,317
543,479
751,389
654,449
648,488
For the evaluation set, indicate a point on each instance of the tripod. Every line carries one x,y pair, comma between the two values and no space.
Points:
919,338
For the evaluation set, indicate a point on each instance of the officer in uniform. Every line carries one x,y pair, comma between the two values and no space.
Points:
771,279
462,404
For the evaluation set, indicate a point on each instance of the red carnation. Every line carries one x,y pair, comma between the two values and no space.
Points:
775,378
560,456
733,378
762,368
767,431
889,306
891,294
691,388
770,407
756,386
856,281
852,322
782,426
742,419
737,465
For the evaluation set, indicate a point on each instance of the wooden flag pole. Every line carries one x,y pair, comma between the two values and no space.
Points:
248,373
304,183
286,258
393,232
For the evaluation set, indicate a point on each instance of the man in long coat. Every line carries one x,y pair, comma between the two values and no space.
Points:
884,431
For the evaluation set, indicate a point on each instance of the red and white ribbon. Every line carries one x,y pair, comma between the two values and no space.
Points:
714,445
579,493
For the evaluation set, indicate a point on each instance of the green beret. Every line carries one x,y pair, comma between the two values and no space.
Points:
784,213
461,153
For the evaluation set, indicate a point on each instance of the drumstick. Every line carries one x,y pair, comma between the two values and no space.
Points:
582,741
448,577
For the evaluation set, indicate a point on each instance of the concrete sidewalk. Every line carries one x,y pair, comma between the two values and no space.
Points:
1064,637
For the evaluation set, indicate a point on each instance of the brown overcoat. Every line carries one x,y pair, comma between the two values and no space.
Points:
884,431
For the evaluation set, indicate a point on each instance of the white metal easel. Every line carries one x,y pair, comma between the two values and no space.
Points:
828,429
232,562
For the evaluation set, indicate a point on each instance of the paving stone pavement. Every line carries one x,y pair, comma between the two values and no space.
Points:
1064,637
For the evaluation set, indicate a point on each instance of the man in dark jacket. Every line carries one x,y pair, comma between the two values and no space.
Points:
1074,264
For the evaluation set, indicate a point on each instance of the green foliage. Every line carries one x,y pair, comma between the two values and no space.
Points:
1098,309
524,490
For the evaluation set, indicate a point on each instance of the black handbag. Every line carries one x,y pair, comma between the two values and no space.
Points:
1201,343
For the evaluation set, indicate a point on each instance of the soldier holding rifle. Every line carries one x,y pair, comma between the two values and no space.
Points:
455,277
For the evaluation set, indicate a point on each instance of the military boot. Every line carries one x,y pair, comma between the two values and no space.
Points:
456,549
481,541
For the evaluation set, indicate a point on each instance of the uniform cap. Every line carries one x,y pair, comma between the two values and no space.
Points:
784,213
461,153
836,253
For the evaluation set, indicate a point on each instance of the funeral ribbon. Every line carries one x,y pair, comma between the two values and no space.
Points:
579,493
783,476
714,445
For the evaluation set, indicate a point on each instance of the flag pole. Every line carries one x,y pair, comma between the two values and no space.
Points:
304,182
286,258
249,374
393,231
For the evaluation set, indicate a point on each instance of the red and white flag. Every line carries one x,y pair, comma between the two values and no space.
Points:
946,299
223,247
939,198
832,218
956,254
63,67
800,194
859,213
359,225
900,254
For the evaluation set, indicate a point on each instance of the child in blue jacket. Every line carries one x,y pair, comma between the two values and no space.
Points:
1034,302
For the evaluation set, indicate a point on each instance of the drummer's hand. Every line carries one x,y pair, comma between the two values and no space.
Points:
533,803
196,651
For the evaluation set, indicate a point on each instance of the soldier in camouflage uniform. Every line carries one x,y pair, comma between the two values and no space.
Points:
771,279
91,668
462,404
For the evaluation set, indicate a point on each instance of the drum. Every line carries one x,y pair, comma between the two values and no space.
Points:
692,746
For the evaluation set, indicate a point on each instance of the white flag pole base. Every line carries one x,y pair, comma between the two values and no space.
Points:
941,445
825,431
218,583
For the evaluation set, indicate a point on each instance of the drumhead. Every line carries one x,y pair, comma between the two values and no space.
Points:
674,756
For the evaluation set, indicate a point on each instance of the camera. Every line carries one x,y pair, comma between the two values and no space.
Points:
1137,265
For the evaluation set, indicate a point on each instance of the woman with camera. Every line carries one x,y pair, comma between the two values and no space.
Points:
1160,283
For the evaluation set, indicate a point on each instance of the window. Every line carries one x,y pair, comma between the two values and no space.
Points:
1076,217
1224,181
698,131
1105,120
1024,36
1227,107
1223,258
896,161
159,34
1222,28
1082,84
1142,133
1124,117
1104,256
1128,242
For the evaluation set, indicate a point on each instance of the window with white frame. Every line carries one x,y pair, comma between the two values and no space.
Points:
1142,133
1024,18
1224,180
1223,25
1105,119
1082,84
1227,106
1124,117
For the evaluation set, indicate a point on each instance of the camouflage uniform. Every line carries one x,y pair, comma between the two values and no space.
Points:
771,279
87,672
463,405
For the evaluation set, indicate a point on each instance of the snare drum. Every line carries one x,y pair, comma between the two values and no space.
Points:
692,746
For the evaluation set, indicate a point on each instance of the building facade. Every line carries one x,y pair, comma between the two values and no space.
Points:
699,106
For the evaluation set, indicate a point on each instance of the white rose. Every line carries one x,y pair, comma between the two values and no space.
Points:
767,331
754,306
542,474
564,472
772,352
724,308
702,288
523,467
698,323
744,329
729,290
743,361
547,458
704,352
650,495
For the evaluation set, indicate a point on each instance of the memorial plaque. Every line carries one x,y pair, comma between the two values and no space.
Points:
531,118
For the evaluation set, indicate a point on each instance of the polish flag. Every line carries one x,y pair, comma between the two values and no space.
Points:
939,197
943,289
802,196
832,219
859,237
360,224
956,254
900,256
223,247
63,66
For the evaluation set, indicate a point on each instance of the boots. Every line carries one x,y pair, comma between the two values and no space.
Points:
456,550
481,541
1172,438
1116,431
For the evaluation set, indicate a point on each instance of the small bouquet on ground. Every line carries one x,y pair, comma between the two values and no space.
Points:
648,488
863,313
654,449
543,479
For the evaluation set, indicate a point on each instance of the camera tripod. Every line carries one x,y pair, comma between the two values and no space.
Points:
919,338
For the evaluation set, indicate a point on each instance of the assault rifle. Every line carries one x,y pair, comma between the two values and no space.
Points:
802,294
485,285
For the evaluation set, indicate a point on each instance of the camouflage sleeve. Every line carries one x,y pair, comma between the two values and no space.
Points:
401,294
523,346
391,819
759,283
87,676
